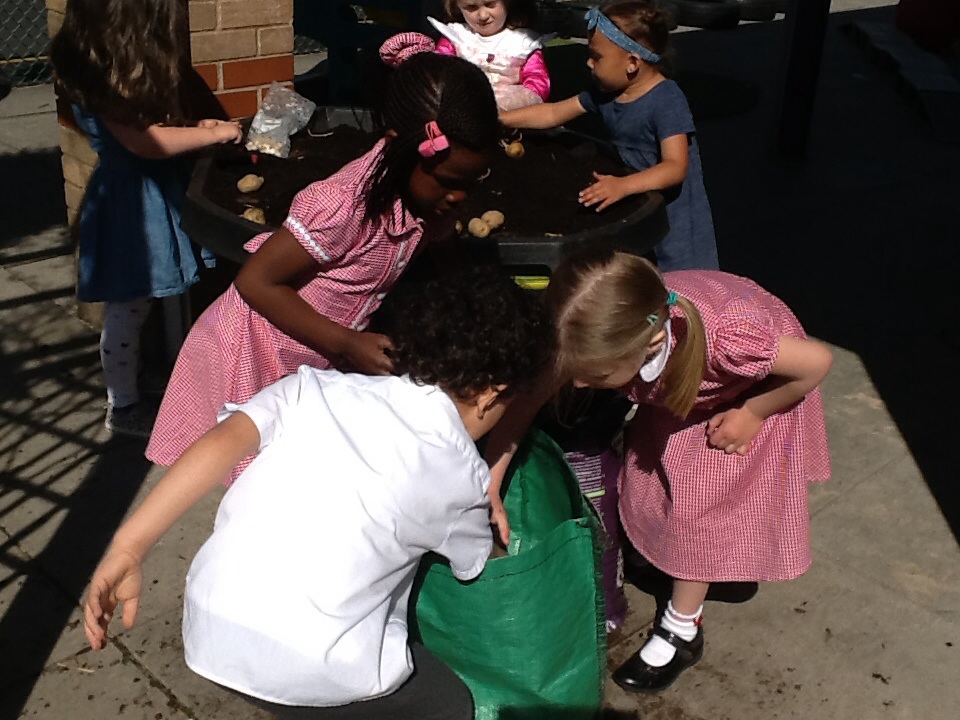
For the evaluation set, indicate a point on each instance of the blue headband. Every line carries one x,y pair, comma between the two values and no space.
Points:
597,20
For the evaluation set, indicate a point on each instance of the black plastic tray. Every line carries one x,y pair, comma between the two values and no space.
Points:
225,233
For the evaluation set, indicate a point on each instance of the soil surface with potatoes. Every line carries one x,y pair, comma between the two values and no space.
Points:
537,193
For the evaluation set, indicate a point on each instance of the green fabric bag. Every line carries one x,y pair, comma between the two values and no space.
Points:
527,636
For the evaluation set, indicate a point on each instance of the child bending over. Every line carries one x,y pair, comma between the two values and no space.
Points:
728,432
298,600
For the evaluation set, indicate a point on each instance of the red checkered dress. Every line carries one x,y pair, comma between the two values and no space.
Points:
232,352
693,511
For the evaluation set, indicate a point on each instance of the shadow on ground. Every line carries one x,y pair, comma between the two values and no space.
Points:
32,194
860,239
64,487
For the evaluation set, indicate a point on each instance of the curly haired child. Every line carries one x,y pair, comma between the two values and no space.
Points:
298,600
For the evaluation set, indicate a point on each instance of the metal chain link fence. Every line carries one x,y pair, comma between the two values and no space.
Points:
24,43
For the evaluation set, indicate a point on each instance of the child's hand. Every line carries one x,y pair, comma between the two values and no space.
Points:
607,190
225,131
733,431
116,580
367,352
499,520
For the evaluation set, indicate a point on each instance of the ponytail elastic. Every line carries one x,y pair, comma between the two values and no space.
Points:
436,141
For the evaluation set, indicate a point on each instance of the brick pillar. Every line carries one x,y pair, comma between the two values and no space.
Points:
238,47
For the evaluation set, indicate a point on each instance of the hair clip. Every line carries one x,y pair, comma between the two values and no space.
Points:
652,319
436,141
672,298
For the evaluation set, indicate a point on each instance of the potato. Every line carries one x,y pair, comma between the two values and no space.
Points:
478,228
249,183
514,149
255,214
493,218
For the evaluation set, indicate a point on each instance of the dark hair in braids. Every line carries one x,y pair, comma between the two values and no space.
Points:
451,91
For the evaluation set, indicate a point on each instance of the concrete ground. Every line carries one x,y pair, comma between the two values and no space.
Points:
860,238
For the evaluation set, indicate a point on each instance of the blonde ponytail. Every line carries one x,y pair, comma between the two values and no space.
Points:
687,363
607,306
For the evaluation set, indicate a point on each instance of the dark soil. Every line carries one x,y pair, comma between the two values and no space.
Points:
536,193
310,159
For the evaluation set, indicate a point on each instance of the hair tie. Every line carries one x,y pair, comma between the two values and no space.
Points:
597,20
653,318
401,47
436,141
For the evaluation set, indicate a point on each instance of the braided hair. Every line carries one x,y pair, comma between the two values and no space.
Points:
429,87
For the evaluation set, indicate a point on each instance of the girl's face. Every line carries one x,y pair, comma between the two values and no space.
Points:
612,67
485,17
439,184
620,373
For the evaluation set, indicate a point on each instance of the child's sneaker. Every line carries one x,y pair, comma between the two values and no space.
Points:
135,420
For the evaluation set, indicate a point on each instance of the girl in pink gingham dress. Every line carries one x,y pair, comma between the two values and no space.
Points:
728,432
306,294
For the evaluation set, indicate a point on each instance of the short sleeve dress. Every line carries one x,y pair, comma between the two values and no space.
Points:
637,128
693,511
232,352
131,243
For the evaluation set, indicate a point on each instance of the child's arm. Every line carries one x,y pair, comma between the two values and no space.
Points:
534,76
544,116
503,440
670,171
269,281
445,47
156,142
205,464
801,365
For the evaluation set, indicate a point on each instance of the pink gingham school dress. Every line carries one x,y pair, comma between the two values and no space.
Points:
693,511
232,352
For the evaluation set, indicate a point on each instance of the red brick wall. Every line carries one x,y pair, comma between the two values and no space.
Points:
239,47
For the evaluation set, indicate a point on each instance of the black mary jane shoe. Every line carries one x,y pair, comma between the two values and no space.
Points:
637,676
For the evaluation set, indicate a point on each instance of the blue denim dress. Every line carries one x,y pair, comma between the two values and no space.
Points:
131,243
636,129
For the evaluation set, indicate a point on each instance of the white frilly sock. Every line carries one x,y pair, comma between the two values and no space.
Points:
657,652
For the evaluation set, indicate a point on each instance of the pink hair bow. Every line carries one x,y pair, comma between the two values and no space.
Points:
436,141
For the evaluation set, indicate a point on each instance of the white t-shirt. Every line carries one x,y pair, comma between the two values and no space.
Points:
300,595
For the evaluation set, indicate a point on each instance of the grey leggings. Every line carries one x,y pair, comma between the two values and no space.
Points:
433,692
120,349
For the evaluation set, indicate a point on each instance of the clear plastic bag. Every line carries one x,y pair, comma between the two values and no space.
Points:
282,113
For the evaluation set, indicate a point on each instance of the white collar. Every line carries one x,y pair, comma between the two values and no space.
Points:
653,368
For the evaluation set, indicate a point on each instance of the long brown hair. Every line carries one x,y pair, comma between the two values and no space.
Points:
600,302
123,59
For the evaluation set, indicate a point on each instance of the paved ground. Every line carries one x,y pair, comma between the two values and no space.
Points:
861,238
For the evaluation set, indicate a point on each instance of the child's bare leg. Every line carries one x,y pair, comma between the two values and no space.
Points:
688,596
675,644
